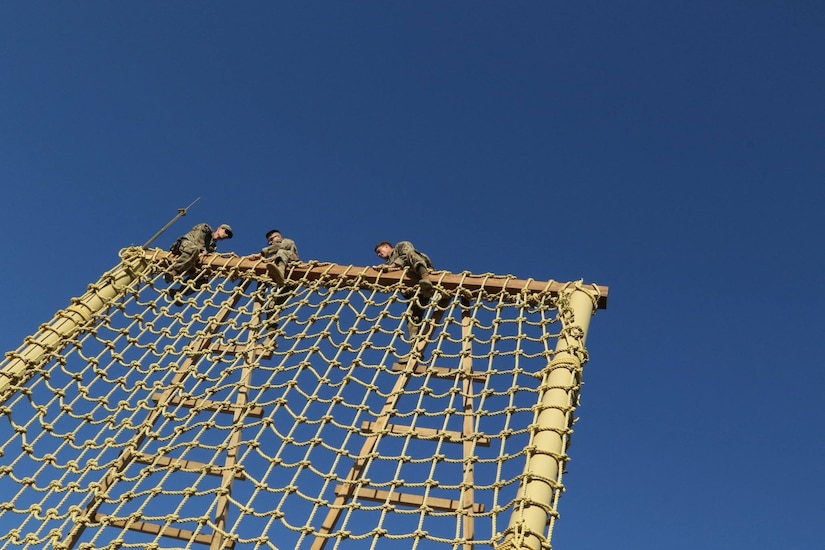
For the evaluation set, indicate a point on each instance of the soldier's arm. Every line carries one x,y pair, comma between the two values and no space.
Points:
268,251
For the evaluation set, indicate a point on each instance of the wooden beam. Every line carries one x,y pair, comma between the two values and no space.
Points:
208,405
441,372
406,499
183,465
162,530
467,466
240,349
429,433
449,281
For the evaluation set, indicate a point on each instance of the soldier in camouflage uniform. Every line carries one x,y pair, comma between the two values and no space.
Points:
404,255
189,248
281,252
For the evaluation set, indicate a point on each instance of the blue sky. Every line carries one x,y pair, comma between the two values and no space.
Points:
672,151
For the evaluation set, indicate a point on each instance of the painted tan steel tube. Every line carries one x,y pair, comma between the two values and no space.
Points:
63,326
536,494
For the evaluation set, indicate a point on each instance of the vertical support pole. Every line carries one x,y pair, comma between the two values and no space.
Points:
65,324
232,452
545,459
467,493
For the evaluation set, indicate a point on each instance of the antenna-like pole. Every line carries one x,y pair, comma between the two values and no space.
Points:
181,213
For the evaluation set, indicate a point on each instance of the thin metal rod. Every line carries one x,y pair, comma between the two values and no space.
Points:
181,213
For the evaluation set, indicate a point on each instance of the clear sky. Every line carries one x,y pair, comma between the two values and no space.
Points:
672,151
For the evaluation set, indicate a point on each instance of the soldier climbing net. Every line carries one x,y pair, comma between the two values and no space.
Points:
318,413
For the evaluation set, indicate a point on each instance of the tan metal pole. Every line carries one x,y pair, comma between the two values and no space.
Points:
19,365
535,500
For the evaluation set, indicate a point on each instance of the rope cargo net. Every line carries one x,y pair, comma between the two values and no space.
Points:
339,409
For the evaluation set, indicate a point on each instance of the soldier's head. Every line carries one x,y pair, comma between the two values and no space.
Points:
222,232
273,236
383,249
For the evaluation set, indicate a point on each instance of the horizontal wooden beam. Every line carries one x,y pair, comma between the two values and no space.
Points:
261,352
188,466
208,405
428,433
162,530
441,372
449,281
405,499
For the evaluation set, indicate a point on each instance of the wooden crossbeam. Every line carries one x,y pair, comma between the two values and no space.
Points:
452,437
441,372
162,530
239,349
208,405
183,465
406,499
449,281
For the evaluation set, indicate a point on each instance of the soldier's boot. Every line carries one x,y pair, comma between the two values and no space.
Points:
415,319
169,276
412,329
269,332
174,296
276,271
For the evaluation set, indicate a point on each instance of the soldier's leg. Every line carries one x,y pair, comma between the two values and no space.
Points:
186,260
418,304
269,311
420,268
277,297
425,283
417,265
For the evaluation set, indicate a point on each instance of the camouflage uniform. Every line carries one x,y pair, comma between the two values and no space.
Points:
190,246
280,252
283,251
405,255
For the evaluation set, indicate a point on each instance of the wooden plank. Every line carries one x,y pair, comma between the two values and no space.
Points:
224,502
189,466
240,349
405,499
467,466
452,437
441,372
447,280
208,405
162,530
